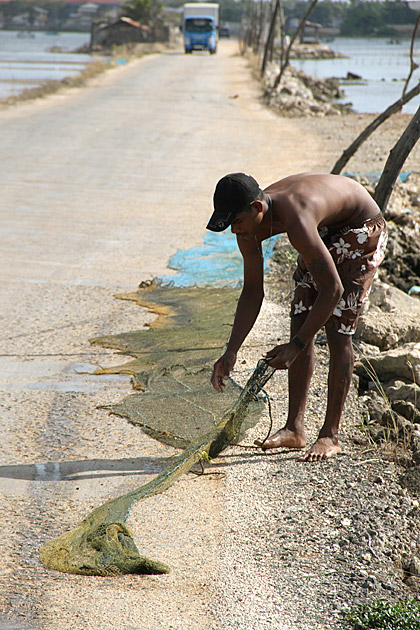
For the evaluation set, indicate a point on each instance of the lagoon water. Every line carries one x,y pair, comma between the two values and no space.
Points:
382,65
29,59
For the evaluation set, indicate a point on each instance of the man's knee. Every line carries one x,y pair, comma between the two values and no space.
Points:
337,341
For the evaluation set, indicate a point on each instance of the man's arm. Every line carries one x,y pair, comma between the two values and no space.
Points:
304,237
247,310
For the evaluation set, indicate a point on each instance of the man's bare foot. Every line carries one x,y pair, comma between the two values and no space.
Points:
283,438
323,448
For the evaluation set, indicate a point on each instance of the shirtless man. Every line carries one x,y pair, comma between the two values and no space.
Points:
340,235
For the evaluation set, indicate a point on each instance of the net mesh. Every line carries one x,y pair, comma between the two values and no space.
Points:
177,405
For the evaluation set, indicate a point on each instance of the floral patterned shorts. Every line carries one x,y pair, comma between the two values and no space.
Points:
357,252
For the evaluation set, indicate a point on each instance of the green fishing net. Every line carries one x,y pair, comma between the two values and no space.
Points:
177,405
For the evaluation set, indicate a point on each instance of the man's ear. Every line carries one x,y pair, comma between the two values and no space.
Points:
258,205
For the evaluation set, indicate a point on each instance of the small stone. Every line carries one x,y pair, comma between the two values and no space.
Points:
346,522
414,566
370,583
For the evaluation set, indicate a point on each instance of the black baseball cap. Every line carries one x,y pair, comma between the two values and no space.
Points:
233,193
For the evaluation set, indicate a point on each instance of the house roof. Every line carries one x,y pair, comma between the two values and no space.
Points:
124,20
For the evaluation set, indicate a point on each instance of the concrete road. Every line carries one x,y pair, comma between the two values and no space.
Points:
99,186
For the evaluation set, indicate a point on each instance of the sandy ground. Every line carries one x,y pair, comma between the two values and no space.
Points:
100,186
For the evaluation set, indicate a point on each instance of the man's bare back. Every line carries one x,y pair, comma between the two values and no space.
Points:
328,200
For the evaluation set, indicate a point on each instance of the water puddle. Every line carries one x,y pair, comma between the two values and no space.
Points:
41,375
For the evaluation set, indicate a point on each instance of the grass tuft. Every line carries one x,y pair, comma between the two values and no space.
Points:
384,615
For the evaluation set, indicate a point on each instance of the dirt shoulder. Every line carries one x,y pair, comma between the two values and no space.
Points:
305,542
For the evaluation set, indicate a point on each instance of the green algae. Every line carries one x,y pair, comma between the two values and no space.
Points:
177,405
192,326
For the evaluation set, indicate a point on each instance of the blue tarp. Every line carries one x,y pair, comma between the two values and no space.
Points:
216,262
374,176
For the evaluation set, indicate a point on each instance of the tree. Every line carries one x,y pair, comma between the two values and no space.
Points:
326,12
143,11
392,109
397,12
362,19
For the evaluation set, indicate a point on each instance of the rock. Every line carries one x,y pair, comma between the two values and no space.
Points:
390,299
382,434
299,94
413,567
352,76
401,362
399,391
402,260
410,479
377,407
395,421
413,583
407,409
313,51
386,330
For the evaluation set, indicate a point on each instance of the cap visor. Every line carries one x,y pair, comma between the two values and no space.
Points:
215,228
219,222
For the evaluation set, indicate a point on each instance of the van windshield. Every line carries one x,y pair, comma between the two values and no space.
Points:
198,25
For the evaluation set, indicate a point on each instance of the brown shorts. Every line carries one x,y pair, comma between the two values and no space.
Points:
357,252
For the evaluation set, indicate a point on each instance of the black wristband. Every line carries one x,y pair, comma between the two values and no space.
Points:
298,342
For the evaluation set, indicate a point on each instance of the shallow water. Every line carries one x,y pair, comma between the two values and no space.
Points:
383,67
28,60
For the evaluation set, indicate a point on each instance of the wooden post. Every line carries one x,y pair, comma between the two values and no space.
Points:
292,41
270,36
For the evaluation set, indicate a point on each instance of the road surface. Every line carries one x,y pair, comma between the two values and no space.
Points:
100,186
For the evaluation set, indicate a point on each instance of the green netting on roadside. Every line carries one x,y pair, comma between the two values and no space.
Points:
176,405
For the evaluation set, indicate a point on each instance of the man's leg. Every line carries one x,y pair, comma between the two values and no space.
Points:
339,380
292,435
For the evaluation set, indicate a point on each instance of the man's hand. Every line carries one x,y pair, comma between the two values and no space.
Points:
222,369
282,356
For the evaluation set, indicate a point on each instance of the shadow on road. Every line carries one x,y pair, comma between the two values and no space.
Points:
85,469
